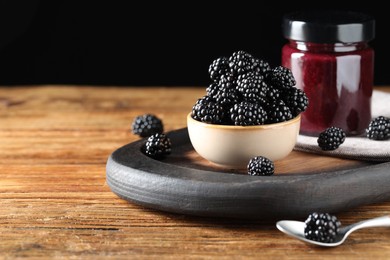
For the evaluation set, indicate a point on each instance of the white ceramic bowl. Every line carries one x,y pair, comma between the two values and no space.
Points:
233,146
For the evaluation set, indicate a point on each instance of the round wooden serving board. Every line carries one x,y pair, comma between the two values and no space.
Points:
185,183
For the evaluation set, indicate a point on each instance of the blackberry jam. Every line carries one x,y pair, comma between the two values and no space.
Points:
332,62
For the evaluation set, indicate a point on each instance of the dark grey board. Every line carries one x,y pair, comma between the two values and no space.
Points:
175,186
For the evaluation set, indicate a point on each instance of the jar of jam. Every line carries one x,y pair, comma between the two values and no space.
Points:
332,62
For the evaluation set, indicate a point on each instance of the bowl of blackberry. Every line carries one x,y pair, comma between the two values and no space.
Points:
250,113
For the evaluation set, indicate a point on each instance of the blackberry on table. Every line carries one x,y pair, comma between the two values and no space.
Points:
206,109
157,146
331,138
218,68
260,166
146,125
246,113
321,227
379,128
282,78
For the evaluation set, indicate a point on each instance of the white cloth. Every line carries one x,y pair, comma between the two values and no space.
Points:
359,147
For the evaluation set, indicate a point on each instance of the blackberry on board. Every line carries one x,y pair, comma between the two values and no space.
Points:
246,113
157,146
207,110
260,166
146,125
379,128
331,138
321,227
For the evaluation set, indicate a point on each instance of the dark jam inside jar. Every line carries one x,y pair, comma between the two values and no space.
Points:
332,63
337,79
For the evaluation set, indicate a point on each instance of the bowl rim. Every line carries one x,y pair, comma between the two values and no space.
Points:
251,127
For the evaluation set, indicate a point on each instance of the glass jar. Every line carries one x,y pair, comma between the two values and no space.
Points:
329,56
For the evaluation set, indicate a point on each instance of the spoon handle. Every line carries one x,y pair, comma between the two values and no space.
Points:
383,221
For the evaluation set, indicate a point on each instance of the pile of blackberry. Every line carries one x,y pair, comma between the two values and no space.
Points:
321,227
246,90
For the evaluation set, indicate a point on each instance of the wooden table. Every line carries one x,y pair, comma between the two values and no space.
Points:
55,203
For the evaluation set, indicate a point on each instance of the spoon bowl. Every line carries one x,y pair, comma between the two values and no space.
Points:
296,229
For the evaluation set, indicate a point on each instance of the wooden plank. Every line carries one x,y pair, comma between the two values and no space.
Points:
54,202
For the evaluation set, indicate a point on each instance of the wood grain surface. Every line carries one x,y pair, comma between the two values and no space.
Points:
55,203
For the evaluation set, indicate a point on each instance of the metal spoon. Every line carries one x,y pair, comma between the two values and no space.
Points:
296,229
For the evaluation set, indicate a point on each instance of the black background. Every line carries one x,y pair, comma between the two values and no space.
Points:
132,43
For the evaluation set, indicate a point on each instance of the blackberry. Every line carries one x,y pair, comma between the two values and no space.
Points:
227,82
278,111
252,87
157,146
282,78
146,125
379,128
260,166
241,62
212,89
331,138
226,97
296,100
272,94
246,113
321,227
218,68
206,109
261,66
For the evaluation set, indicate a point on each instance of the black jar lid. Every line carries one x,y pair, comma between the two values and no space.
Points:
328,26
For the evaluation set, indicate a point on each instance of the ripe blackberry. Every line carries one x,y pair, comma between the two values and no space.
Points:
212,89
218,68
227,82
241,62
157,146
296,100
282,78
226,97
246,113
321,227
146,125
261,66
252,87
331,138
260,166
206,109
278,111
379,128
